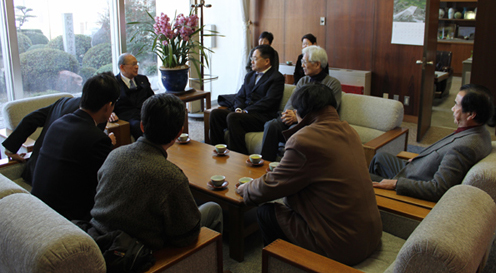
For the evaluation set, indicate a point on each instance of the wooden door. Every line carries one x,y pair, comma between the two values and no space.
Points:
428,67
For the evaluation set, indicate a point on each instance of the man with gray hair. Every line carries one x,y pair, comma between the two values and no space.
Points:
313,62
135,89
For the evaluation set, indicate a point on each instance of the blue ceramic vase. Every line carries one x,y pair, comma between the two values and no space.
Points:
174,80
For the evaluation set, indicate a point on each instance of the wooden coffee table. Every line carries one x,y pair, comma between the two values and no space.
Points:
199,162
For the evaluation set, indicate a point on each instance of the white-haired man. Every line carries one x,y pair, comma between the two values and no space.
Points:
314,62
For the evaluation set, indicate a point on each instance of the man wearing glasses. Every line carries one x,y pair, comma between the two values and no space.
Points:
255,103
135,89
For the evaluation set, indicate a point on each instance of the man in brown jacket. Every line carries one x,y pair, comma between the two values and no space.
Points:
329,203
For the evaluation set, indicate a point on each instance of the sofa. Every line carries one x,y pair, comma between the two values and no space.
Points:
14,111
35,238
376,120
454,237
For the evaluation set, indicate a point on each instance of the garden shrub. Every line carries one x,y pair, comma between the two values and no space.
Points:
40,68
83,44
105,68
38,46
87,72
37,38
98,56
24,43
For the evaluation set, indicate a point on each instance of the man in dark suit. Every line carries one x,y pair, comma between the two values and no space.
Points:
74,149
446,162
255,103
265,38
135,89
43,117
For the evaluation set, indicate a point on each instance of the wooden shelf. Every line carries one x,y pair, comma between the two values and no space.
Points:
457,20
458,1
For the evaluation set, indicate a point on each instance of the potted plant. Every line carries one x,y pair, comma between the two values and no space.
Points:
173,42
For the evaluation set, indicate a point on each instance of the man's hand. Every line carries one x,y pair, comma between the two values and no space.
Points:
112,138
240,189
239,110
113,117
388,184
16,157
288,117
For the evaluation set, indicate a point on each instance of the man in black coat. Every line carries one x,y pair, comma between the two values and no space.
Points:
43,117
74,149
135,89
256,102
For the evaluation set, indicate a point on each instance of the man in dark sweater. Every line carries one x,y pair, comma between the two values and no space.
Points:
145,195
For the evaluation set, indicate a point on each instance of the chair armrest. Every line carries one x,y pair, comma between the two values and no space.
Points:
28,144
400,208
289,256
189,258
406,155
206,122
391,194
121,130
371,147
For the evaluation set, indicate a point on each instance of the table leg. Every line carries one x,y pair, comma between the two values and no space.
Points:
236,233
185,130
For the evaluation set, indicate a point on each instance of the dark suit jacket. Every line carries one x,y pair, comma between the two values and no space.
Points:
443,164
65,176
128,106
263,98
42,117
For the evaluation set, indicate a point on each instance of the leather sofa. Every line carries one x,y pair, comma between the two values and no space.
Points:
376,120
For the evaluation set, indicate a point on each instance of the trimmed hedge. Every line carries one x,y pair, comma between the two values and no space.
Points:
37,38
98,56
33,47
40,68
105,68
83,44
86,73
24,43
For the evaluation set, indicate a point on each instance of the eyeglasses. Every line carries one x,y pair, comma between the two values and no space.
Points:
133,64
255,58
303,61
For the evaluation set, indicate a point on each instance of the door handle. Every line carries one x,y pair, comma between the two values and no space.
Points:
427,63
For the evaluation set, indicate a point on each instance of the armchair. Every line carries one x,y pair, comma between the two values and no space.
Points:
443,64
454,237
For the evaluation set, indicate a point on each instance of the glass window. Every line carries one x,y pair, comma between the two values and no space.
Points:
61,43
136,11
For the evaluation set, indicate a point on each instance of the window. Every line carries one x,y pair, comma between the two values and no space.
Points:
61,44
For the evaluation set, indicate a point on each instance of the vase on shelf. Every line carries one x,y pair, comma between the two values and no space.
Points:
175,79
441,13
451,13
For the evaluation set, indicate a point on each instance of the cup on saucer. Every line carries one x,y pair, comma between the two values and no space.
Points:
244,180
218,180
220,148
183,137
273,165
255,158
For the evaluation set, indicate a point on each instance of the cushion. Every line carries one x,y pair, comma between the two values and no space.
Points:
35,238
14,111
8,187
385,254
455,235
371,112
483,174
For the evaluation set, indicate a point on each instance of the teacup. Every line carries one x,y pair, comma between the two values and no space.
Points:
273,165
183,137
243,180
255,158
218,180
220,148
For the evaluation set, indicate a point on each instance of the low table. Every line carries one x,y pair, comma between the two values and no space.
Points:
199,162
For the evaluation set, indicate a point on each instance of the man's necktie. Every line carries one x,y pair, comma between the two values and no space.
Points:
258,76
132,85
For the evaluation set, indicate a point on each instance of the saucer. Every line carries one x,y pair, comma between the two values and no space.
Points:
268,170
221,154
224,185
251,164
183,142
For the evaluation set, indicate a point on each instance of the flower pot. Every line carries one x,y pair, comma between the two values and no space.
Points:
175,79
